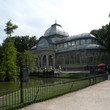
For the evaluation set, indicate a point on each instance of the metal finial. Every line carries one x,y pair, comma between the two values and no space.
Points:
55,21
109,17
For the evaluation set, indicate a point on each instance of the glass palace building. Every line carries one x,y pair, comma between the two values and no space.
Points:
56,49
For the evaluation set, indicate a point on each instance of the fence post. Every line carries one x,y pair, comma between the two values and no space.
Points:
21,82
106,76
94,80
89,81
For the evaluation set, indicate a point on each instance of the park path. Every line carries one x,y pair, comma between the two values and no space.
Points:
96,97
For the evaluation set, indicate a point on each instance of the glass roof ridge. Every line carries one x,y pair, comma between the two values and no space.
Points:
55,29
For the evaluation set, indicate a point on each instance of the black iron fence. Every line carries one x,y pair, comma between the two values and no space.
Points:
11,100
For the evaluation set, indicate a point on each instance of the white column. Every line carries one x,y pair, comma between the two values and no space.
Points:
41,62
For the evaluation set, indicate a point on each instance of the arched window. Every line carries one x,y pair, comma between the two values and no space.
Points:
67,59
59,59
89,41
65,45
77,42
61,45
73,43
44,60
83,41
50,60
69,44
72,59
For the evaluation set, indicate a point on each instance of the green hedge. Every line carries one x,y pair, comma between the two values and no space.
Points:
42,74
75,75
2,74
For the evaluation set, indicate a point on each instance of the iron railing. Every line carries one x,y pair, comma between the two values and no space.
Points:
11,100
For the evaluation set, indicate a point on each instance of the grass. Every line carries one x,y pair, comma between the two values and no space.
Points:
40,93
75,75
30,95
12,99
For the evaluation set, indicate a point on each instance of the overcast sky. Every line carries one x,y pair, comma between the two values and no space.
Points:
33,17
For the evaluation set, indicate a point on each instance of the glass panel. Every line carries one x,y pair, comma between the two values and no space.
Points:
73,42
83,41
83,59
67,59
61,45
57,46
69,43
65,44
89,41
77,42
72,59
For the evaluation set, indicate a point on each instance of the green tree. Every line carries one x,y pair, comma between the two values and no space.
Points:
26,60
103,35
23,43
32,41
9,59
30,60
10,28
15,52
1,55
9,52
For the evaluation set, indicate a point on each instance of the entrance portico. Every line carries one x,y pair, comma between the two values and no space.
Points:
46,60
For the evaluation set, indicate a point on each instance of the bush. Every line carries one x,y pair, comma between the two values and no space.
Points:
42,74
75,75
2,75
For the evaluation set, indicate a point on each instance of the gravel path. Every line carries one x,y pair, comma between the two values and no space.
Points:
96,97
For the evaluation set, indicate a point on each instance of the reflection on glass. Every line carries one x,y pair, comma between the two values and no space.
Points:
65,45
83,41
73,43
89,41
77,42
61,45
69,43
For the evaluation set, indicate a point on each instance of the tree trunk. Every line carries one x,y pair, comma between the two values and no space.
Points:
7,76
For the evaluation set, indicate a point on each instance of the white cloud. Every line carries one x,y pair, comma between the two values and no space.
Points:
33,17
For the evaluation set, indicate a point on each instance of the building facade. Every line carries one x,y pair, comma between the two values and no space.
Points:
56,49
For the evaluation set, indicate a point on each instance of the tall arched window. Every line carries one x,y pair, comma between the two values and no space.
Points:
44,61
50,60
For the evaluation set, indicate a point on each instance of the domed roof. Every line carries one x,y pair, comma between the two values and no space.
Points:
55,29
81,36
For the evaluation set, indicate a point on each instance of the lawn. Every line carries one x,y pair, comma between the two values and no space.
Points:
12,99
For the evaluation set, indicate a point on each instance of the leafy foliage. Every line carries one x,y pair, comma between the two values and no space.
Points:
1,55
103,35
9,59
9,28
29,59
24,43
14,51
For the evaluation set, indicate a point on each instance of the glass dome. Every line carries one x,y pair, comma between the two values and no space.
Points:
55,29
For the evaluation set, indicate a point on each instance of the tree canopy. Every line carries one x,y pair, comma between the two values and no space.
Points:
14,52
103,35
23,43
9,59
10,28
